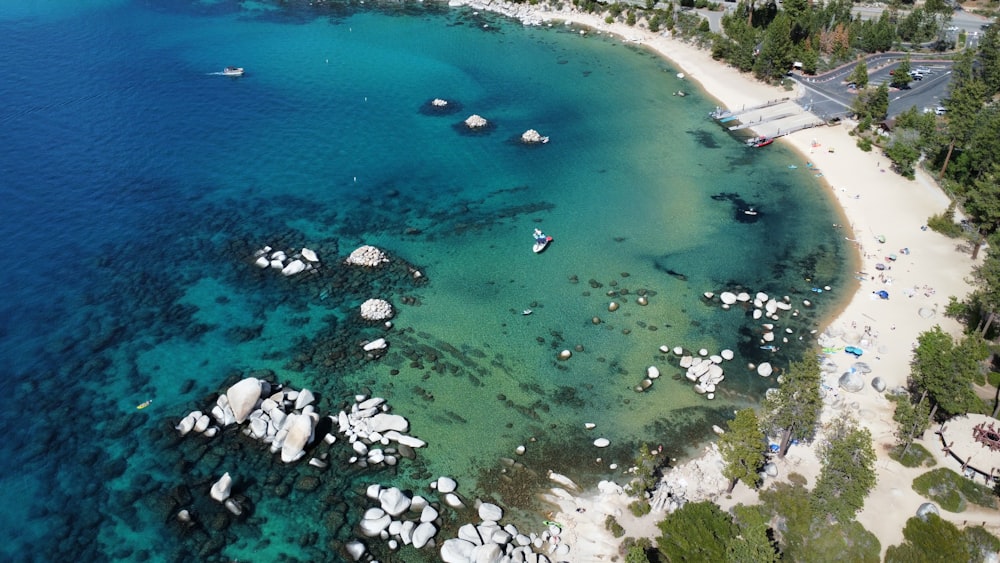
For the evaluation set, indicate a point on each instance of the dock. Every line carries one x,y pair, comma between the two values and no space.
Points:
772,119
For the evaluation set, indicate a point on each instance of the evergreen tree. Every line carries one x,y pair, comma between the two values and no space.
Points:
696,532
860,75
752,543
878,105
901,76
941,372
793,408
932,539
989,60
742,449
964,104
911,420
775,57
848,472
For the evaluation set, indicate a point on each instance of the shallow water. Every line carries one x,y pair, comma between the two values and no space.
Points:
138,182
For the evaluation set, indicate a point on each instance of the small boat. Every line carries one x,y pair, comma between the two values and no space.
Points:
144,404
770,348
750,211
232,71
541,241
763,142
527,312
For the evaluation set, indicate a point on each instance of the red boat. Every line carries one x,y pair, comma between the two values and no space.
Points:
763,142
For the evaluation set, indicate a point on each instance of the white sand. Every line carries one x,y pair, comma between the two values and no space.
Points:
875,201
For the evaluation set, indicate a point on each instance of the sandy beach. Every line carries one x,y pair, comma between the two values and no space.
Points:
877,205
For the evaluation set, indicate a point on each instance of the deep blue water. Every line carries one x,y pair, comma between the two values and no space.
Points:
136,182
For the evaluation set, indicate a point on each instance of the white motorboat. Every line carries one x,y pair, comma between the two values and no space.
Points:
232,71
541,241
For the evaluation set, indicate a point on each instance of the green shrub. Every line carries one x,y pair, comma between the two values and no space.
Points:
639,508
945,224
951,491
865,144
614,527
916,456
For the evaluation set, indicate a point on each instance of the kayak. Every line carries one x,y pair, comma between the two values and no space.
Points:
144,404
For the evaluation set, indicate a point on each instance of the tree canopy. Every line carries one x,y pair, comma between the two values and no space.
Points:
696,532
793,409
848,472
742,449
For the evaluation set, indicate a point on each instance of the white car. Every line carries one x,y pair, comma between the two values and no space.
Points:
940,110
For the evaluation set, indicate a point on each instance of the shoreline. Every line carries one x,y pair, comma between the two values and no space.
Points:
872,201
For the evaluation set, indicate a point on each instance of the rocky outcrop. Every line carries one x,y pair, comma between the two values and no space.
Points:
367,256
476,122
532,137
376,310
288,262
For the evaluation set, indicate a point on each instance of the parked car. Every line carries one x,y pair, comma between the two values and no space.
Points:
940,110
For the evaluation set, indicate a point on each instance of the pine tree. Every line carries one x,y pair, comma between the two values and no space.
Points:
860,75
742,449
848,472
793,409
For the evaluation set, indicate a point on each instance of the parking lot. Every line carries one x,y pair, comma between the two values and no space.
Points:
829,95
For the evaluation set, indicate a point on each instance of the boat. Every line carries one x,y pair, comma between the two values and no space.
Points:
144,404
232,71
763,142
541,241
751,211
527,312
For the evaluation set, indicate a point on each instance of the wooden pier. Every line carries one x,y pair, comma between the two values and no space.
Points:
772,119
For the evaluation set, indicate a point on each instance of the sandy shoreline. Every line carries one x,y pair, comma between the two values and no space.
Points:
927,269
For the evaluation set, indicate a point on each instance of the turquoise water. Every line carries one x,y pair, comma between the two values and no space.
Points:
137,182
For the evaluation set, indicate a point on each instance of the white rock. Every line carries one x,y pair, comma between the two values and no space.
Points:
727,354
185,425
293,267
422,534
383,422
428,514
262,262
394,501
355,549
300,433
243,397
309,255
446,485
652,372
372,403
377,344
222,488
490,512
589,425
602,442
488,553
727,297
765,369
456,551
470,533
305,397
372,527
373,491
405,440
233,507
452,500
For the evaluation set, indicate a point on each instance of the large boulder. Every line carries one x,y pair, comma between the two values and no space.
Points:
221,488
490,512
394,501
383,422
488,553
852,382
456,551
243,397
300,432
422,534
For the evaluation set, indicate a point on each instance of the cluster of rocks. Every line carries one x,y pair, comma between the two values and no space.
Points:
289,263
475,121
220,492
401,520
369,428
376,310
703,369
367,256
532,137
439,103
693,481
764,306
287,420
